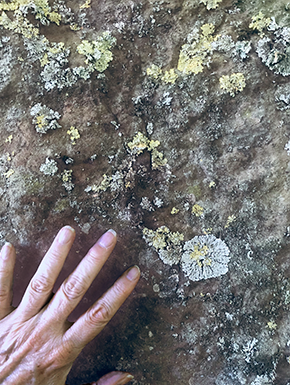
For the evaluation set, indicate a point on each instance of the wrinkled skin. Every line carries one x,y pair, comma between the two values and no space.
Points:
37,343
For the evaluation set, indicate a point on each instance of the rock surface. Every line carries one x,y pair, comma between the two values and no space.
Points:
169,122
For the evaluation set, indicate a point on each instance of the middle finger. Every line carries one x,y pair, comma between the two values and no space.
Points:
75,286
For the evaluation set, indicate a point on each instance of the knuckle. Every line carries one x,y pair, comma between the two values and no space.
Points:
101,314
41,285
73,288
119,290
4,292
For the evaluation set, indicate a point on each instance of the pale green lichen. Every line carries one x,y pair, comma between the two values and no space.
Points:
103,186
230,220
165,242
233,83
260,22
166,77
211,4
8,173
44,118
195,54
197,210
169,76
174,211
74,134
154,71
20,22
98,53
140,143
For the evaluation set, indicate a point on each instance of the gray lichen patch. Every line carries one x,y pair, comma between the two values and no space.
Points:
44,118
49,167
204,257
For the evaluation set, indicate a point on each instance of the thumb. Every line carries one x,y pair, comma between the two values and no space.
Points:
114,378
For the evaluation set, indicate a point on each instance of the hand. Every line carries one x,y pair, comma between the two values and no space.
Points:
37,344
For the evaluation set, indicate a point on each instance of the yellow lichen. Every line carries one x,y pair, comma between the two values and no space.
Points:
174,211
193,56
272,325
87,4
74,134
211,4
154,71
162,237
8,173
20,23
140,143
9,139
233,83
197,210
260,22
169,76
230,220
199,254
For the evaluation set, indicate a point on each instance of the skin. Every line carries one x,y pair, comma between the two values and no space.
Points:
37,343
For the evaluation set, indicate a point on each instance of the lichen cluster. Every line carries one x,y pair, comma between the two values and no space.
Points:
44,118
168,244
233,83
201,257
196,53
140,143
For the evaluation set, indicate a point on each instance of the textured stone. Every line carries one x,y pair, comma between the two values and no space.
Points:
157,144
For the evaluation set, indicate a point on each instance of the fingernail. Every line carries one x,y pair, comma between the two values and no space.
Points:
124,381
107,239
133,273
5,252
65,235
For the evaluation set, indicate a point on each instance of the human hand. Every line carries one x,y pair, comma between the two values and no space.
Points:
38,345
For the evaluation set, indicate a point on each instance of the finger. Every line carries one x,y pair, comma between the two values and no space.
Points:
41,284
74,287
114,378
90,324
7,263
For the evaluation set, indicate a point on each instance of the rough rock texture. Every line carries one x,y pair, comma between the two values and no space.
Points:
166,120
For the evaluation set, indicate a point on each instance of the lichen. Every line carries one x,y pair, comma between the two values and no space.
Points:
233,83
260,22
103,186
44,118
8,173
49,167
196,53
274,51
66,177
230,220
197,210
154,71
211,4
140,143
174,211
204,257
98,53
74,134
166,243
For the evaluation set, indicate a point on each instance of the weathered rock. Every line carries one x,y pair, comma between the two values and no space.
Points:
168,121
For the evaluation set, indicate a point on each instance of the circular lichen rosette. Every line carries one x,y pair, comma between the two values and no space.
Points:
205,256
